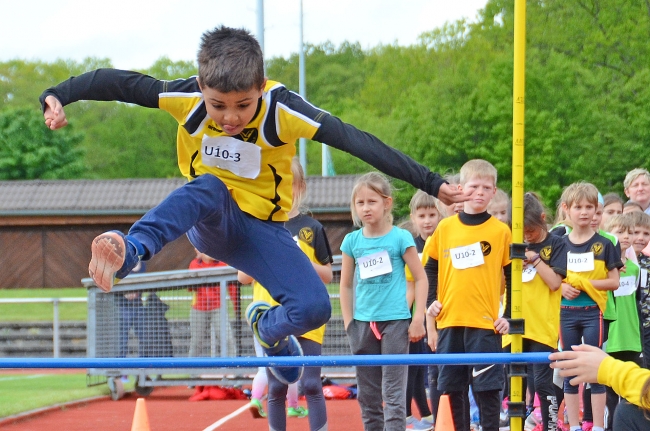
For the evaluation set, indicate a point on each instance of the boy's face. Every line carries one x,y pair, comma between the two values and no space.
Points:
231,111
598,216
625,237
639,190
581,213
640,239
425,220
479,191
499,210
609,211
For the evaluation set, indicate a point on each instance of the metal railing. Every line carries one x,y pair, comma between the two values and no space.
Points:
56,337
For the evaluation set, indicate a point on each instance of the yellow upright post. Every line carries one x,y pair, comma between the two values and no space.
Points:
516,392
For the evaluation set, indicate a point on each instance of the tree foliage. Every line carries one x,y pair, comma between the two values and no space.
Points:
444,100
28,150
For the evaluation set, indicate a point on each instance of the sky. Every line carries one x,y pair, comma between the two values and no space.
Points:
133,34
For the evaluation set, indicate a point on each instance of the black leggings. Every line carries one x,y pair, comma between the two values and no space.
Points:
415,384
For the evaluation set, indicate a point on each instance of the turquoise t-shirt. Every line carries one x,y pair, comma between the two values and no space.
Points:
624,332
380,292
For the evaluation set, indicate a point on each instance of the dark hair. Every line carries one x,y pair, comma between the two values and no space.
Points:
534,211
230,60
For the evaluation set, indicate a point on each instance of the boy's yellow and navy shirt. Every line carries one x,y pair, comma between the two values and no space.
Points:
540,307
282,117
606,256
312,240
470,296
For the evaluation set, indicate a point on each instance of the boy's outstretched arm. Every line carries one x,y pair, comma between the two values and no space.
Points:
386,159
101,85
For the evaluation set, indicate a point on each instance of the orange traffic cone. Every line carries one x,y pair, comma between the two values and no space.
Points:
140,418
444,419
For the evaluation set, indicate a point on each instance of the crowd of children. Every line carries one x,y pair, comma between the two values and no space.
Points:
583,281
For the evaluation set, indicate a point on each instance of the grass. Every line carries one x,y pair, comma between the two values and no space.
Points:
25,392
42,311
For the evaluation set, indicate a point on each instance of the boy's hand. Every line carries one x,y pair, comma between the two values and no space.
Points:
54,114
569,292
416,331
434,309
449,195
502,326
582,363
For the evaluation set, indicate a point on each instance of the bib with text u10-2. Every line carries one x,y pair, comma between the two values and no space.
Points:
374,264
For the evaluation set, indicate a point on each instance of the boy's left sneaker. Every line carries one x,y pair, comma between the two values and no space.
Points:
297,412
289,346
415,424
114,255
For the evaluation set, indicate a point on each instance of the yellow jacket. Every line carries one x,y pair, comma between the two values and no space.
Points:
626,378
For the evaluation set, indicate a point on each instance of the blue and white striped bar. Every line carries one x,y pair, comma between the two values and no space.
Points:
308,361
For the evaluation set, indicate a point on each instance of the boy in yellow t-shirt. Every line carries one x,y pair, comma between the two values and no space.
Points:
468,256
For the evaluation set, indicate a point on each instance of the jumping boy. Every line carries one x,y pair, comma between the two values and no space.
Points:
236,138
468,253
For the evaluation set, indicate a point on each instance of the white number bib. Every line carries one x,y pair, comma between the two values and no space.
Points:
225,152
528,273
626,286
374,264
467,256
580,262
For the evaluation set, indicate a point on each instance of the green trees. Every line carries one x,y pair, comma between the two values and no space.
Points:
444,100
28,150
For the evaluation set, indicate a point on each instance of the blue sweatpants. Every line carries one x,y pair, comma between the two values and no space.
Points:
265,250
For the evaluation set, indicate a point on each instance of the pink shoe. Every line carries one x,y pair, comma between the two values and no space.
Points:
587,426
561,426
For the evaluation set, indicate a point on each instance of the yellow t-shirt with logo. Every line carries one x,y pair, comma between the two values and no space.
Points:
274,130
540,307
468,289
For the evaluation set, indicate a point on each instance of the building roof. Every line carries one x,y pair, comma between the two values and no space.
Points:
136,196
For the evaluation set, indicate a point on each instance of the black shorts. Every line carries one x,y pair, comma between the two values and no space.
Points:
459,339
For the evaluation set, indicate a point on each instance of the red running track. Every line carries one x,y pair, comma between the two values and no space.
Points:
169,409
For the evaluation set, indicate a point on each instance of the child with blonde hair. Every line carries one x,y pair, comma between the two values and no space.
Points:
426,213
592,269
499,206
468,258
376,313
624,339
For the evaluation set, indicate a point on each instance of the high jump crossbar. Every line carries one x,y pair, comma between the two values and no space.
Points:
308,361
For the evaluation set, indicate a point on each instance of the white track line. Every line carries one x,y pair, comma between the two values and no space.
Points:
22,377
225,419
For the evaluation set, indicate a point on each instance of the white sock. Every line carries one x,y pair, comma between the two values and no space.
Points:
576,428
598,429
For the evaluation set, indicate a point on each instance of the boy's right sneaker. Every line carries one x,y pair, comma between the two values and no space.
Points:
289,346
256,409
114,255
